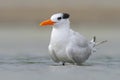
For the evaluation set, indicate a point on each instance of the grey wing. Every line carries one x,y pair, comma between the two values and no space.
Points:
79,54
78,48
53,54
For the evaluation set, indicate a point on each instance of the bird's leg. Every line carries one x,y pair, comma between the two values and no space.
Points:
63,63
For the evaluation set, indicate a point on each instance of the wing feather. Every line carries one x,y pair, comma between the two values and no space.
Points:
78,48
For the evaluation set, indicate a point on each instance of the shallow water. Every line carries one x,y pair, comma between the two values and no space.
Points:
24,55
41,67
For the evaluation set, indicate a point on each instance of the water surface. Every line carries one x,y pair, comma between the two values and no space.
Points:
24,54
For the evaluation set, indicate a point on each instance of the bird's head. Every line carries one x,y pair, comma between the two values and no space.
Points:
56,20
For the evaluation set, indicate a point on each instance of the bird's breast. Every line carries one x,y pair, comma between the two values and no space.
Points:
59,37
59,44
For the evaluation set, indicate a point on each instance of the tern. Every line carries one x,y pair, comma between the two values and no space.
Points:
66,45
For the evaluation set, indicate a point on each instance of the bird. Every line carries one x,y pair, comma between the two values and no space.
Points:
67,45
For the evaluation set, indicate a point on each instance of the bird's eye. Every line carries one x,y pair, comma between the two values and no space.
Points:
59,18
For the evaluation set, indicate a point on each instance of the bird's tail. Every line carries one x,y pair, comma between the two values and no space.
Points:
93,43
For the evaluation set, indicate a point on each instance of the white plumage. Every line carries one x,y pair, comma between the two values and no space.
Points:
67,45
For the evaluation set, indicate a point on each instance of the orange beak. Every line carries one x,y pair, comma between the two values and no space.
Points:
47,22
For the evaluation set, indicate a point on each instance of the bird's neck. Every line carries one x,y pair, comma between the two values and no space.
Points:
60,33
61,29
62,26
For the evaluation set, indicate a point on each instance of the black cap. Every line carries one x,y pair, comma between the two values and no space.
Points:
66,15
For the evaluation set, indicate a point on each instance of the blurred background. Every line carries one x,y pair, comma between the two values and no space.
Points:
80,10
23,43
20,30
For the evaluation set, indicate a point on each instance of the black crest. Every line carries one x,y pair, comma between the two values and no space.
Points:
66,15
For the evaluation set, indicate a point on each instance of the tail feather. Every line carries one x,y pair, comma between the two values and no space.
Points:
94,43
98,43
93,39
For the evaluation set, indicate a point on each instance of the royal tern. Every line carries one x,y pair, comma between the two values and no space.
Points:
67,45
